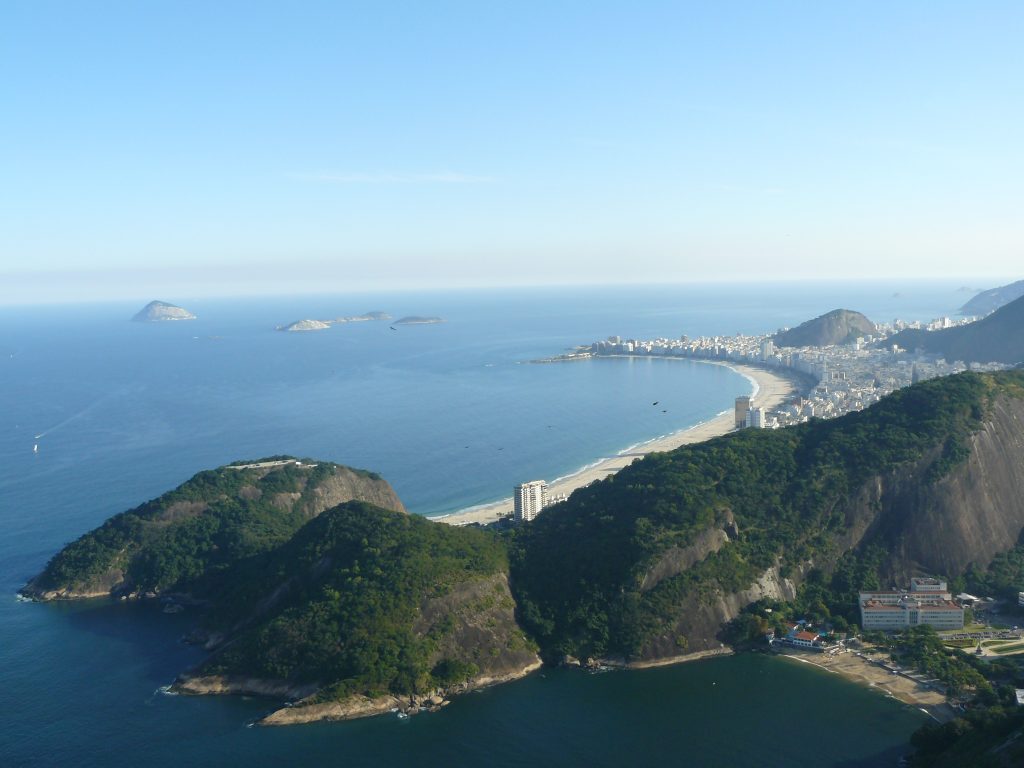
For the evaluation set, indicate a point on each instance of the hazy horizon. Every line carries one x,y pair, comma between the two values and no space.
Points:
66,294
228,149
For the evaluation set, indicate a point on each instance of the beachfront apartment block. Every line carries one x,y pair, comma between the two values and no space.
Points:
742,411
529,499
927,602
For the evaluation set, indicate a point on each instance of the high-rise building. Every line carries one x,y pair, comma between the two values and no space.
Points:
530,498
757,418
742,409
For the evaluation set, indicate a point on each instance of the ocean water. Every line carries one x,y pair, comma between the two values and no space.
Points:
452,415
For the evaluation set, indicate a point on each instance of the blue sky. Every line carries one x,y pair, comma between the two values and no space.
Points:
214,148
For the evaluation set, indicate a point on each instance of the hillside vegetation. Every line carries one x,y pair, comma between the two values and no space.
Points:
181,541
355,603
311,592
580,571
998,338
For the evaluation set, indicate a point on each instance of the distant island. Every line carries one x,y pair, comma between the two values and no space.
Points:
989,301
161,311
840,326
417,320
320,325
305,325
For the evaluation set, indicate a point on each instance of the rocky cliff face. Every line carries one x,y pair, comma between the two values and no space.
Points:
973,513
965,518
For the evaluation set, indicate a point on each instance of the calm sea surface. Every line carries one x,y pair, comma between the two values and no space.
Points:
452,417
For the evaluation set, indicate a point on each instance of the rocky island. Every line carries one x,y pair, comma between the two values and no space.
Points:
161,311
418,320
304,325
320,325
310,583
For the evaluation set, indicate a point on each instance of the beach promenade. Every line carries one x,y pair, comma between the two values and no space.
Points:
770,389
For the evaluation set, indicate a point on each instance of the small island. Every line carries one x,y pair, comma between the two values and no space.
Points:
161,311
320,325
304,325
417,320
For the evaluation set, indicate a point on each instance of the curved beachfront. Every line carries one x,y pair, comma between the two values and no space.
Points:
769,388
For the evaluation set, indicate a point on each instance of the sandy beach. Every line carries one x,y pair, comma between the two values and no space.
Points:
769,389
863,671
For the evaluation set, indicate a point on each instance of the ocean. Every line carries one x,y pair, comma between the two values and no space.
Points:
453,415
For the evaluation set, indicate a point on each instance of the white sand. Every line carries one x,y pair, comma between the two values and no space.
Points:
770,389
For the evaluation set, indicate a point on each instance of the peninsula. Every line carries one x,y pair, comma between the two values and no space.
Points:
992,299
161,311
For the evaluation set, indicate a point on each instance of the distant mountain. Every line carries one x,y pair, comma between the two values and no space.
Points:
991,300
161,311
998,338
840,326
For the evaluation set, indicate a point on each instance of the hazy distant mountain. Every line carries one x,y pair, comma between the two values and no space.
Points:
991,300
840,326
998,338
161,311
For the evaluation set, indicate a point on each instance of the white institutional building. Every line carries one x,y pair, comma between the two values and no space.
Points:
530,498
928,602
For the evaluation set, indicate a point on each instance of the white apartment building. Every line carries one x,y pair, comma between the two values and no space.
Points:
927,602
529,499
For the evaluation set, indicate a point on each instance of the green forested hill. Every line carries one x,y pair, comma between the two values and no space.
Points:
346,605
187,536
579,570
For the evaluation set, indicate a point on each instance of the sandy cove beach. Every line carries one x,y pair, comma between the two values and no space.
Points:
769,389
862,670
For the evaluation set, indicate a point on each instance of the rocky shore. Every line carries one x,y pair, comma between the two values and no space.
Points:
354,707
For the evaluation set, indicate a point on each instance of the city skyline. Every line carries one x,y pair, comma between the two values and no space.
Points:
239,149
